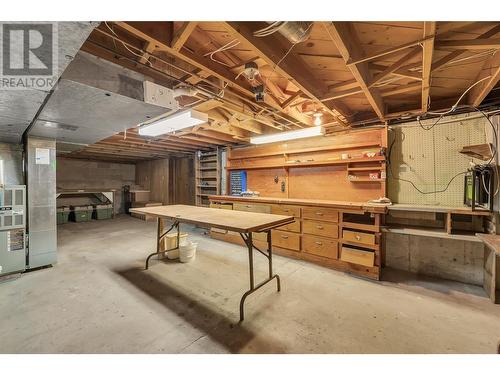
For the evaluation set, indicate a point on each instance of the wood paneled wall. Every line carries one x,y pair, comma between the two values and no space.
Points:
170,181
313,168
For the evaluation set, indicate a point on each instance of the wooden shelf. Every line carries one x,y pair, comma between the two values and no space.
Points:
363,169
207,169
366,179
430,232
310,163
207,186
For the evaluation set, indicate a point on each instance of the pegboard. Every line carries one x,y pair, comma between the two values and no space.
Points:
431,158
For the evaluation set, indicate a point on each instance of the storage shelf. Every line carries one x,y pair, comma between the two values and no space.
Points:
207,169
430,232
207,186
366,179
363,169
310,163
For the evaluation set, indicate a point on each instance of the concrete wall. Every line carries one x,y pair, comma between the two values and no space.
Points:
439,257
81,174
12,156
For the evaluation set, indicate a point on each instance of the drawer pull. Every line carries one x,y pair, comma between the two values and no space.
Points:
319,213
248,206
319,226
358,237
319,243
284,237
286,210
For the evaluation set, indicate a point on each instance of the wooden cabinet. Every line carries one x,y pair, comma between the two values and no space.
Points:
320,228
344,238
320,246
287,210
358,237
356,256
292,227
320,213
260,208
286,240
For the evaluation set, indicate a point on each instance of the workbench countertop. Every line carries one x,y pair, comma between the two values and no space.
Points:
304,202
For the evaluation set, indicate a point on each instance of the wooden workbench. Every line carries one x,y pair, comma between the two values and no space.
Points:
337,234
491,282
244,223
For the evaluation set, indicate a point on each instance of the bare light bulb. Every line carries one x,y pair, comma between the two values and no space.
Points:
317,118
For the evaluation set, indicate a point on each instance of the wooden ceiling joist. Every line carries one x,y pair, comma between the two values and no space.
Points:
395,66
455,54
490,75
389,51
469,44
428,51
345,38
183,34
289,67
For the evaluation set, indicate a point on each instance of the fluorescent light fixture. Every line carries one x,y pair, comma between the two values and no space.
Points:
286,136
177,121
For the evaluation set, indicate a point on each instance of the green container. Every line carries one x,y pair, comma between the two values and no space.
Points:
63,214
82,213
103,211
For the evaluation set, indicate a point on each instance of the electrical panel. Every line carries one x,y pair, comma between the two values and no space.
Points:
12,229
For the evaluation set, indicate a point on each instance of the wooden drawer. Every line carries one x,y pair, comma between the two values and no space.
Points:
250,207
282,209
323,247
286,240
358,237
223,206
365,258
292,227
320,228
319,213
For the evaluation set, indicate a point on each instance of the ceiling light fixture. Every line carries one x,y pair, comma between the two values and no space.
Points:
317,118
286,136
177,121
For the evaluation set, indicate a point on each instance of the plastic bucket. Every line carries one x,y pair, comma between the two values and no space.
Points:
187,252
172,243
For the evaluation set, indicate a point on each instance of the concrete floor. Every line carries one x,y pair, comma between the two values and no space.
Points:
98,299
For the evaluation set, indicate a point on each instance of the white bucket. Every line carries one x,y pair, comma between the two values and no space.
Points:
172,243
187,252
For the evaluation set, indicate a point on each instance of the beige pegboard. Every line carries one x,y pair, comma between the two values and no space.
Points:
431,158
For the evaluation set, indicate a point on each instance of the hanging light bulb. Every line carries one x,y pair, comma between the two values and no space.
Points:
317,118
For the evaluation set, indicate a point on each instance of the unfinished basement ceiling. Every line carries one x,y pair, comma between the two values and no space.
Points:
94,99
18,107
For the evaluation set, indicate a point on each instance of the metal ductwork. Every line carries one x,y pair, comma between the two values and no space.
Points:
294,31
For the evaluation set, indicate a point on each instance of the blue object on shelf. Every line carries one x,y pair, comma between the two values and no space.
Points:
238,182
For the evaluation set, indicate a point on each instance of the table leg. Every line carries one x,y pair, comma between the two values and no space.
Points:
159,237
249,242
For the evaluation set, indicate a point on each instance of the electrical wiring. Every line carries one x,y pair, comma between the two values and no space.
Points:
452,109
124,45
225,47
271,29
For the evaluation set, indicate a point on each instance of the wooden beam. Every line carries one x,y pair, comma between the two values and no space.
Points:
142,31
182,35
403,72
452,56
416,86
469,44
385,52
291,99
291,67
344,36
428,51
491,69
395,66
